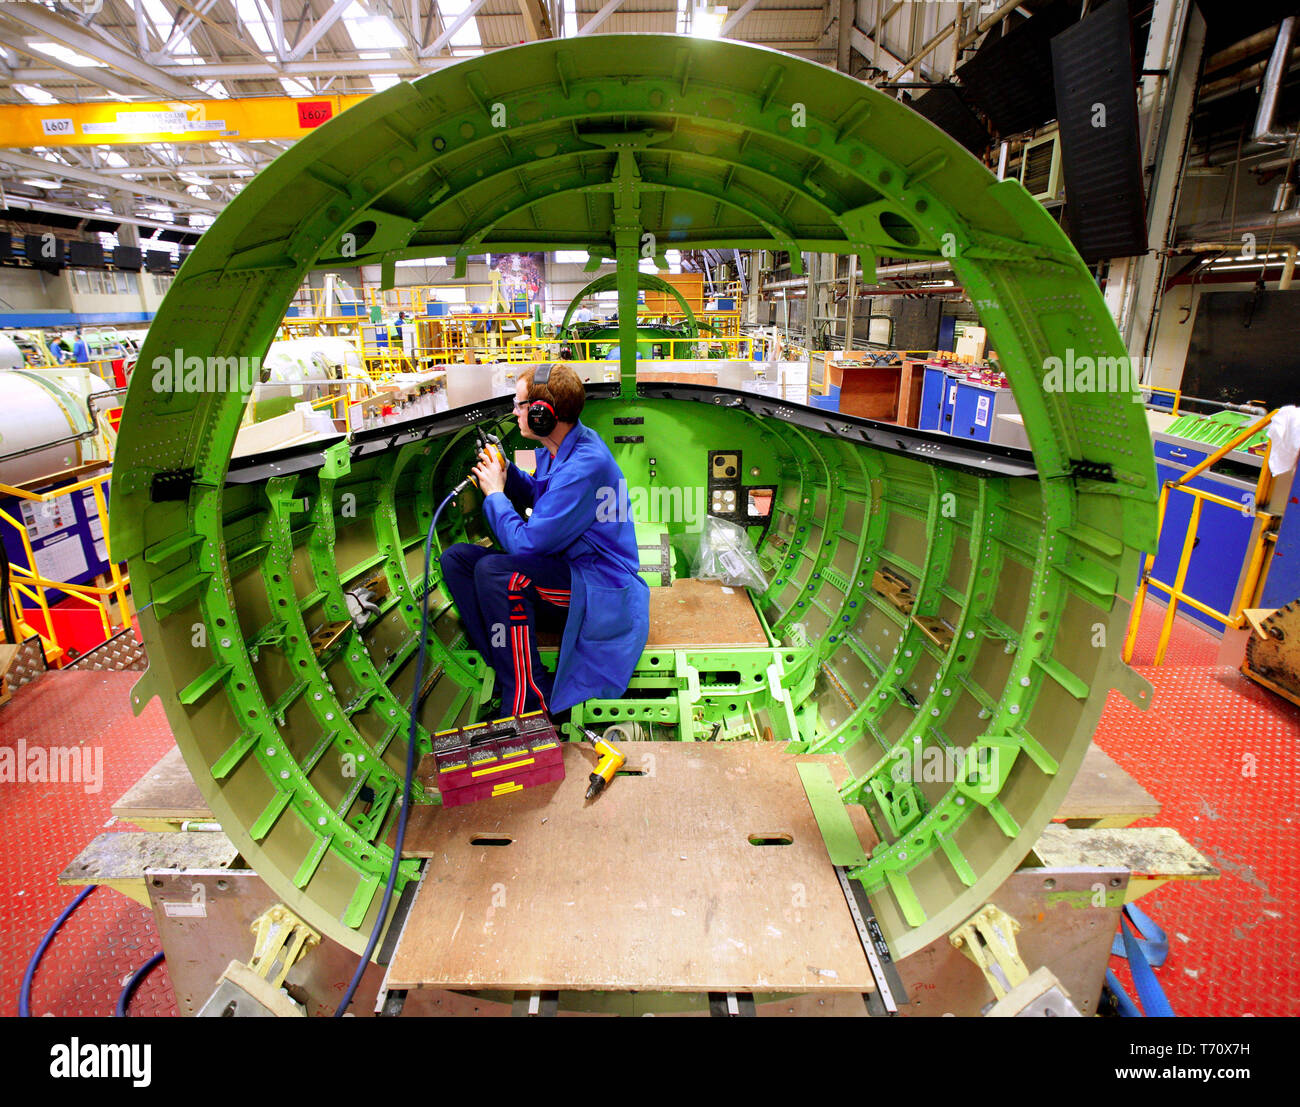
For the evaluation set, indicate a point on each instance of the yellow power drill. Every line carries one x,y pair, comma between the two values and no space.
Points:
611,760
491,445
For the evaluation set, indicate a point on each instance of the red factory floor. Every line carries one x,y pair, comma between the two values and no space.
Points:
1217,751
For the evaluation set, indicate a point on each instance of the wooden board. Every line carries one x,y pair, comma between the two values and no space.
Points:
693,613
167,793
870,391
704,380
7,654
1148,852
910,385
1104,795
119,859
653,886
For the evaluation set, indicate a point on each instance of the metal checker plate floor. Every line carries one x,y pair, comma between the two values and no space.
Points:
1208,729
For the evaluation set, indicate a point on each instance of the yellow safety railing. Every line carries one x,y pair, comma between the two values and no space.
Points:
491,298
1254,567
27,581
666,349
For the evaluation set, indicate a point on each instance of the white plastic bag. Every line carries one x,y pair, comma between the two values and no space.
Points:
727,554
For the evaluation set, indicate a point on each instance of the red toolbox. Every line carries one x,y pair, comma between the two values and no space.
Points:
489,759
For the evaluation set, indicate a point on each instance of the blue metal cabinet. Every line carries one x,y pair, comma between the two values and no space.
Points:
949,403
1181,453
973,411
934,391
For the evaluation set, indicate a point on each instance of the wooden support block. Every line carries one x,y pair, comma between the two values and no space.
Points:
1153,854
910,385
1103,795
119,860
164,797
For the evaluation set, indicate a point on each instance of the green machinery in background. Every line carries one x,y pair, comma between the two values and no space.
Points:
925,594
655,340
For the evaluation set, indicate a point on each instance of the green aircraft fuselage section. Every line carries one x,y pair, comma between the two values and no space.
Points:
293,719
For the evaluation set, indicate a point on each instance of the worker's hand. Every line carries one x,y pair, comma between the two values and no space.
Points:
490,473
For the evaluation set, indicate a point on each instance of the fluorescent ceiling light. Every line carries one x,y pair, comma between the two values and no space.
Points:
1243,257
381,81
706,22
34,95
67,56
371,32
41,182
1252,265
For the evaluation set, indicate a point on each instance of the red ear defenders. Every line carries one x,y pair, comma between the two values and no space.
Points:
541,415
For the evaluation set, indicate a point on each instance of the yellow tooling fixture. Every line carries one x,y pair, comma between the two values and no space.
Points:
281,937
117,124
989,939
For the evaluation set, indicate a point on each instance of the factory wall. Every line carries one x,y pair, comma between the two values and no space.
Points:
33,290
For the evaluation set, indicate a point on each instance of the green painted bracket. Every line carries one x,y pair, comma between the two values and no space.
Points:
842,842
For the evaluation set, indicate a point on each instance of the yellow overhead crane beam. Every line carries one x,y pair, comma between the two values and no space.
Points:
114,123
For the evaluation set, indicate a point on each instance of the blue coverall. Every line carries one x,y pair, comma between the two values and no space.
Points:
577,551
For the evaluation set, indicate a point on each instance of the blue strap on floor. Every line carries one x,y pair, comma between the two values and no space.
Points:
1154,946
1154,1003
1127,1008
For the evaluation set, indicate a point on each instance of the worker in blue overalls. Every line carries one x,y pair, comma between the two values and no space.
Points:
569,549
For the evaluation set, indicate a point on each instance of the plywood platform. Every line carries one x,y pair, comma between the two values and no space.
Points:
653,886
701,614
693,614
